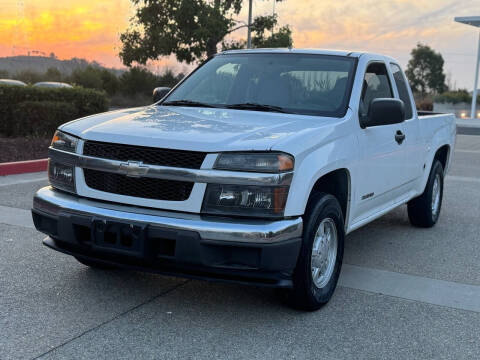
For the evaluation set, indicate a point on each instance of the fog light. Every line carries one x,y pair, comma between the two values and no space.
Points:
61,176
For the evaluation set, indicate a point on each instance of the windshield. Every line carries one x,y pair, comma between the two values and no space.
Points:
293,83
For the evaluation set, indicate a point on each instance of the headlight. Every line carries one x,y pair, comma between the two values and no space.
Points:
241,200
61,176
269,162
65,142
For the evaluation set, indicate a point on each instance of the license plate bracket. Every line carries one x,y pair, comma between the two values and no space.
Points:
123,238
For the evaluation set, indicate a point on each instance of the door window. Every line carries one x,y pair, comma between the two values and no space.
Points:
376,84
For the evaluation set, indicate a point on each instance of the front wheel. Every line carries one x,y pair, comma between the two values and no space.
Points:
318,267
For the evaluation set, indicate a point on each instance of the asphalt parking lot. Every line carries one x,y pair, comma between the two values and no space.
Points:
405,293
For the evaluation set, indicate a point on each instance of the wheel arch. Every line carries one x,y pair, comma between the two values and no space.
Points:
443,155
337,183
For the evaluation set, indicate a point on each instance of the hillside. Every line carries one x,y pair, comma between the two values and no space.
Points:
40,64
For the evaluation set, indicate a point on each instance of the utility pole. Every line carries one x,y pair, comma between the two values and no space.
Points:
249,38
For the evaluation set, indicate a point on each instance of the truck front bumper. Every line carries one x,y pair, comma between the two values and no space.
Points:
253,251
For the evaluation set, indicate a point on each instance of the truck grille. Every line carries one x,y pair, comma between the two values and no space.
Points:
149,188
148,155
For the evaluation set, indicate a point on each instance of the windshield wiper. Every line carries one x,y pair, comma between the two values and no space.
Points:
187,103
257,107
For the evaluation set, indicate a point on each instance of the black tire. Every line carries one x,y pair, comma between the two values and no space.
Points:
420,209
94,264
305,295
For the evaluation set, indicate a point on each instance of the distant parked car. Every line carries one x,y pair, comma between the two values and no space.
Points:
12,82
52,84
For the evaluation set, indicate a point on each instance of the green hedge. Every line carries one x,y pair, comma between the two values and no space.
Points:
39,111
455,97
41,118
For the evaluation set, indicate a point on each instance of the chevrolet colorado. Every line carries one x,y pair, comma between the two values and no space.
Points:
252,169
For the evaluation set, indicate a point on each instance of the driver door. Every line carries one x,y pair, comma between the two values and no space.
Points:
380,169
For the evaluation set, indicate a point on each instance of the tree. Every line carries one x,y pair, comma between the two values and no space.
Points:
260,26
138,81
189,29
53,74
425,70
169,79
89,77
29,77
94,77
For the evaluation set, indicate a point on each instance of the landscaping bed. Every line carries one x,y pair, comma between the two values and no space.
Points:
23,148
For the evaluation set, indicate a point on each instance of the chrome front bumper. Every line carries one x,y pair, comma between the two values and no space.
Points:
55,203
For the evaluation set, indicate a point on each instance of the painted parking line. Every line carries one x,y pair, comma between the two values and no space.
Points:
16,217
431,291
462,151
462,178
22,178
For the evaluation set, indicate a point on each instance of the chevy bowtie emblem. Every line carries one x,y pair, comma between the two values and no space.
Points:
133,168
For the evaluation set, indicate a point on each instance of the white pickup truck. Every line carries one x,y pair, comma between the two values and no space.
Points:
252,170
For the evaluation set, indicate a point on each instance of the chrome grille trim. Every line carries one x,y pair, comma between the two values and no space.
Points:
170,173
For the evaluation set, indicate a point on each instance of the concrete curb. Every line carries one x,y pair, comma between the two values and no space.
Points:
22,167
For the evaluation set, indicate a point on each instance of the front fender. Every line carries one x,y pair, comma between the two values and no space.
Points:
334,155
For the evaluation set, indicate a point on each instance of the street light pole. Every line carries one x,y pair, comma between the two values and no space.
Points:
474,21
249,38
475,86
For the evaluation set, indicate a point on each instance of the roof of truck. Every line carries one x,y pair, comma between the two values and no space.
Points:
305,51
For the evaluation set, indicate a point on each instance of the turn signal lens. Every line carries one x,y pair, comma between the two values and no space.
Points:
65,142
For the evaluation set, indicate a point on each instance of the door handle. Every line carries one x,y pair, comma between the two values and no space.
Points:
399,137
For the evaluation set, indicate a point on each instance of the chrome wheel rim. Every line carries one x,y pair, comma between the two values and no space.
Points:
436,192
324,252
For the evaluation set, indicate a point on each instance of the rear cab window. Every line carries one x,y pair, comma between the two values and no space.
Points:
402,88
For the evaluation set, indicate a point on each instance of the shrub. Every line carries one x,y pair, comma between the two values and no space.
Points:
41,118
454,97
83,101
425,104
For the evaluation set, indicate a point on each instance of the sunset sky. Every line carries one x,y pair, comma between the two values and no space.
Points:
91,28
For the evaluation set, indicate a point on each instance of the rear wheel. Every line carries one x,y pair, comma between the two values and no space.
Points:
94,264
424,210
318,267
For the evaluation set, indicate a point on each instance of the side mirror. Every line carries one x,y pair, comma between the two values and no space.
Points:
159,93
384,111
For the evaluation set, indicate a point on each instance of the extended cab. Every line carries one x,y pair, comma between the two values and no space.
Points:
252,169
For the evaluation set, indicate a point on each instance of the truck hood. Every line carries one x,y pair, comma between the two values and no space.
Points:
199,129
